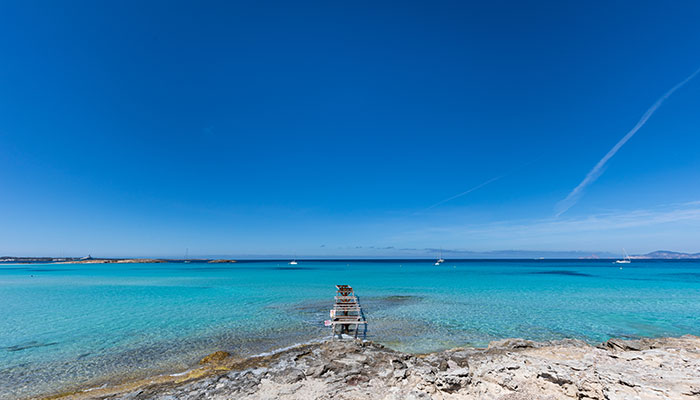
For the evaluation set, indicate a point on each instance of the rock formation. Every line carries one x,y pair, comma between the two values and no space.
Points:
511,369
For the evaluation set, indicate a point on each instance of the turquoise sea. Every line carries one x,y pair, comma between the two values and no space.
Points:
64,326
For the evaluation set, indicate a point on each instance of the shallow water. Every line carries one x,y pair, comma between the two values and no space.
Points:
68,326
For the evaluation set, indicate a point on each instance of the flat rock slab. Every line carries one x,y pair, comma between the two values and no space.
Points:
512,369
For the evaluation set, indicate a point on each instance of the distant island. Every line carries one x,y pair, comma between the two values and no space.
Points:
667,255
112,261
91,260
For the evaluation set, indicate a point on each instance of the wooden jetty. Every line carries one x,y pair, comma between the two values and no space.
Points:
346,311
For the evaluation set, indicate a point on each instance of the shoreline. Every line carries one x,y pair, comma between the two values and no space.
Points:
666,367
210,363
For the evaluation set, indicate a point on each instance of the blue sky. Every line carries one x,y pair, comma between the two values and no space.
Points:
331,128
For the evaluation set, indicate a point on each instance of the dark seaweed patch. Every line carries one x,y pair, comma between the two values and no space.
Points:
29,345
313,308
50,269
397,299
565,273
390,301
684,275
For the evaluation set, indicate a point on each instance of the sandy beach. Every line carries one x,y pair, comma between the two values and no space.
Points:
511,369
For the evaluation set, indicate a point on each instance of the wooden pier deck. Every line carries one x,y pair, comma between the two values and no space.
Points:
346,312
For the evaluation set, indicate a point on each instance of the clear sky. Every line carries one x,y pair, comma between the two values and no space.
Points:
341,128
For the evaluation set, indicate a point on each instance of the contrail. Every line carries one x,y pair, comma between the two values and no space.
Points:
479,186
593,174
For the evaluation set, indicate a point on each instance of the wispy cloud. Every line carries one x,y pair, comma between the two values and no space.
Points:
597,170
667,225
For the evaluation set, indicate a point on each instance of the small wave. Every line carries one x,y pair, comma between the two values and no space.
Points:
283,349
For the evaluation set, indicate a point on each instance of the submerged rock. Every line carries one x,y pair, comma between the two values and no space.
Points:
215,357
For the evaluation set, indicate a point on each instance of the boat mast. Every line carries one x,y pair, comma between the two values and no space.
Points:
627,256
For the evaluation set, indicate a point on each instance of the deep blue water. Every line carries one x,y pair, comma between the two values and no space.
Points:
64,326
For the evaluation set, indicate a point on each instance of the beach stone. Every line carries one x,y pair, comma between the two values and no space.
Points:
293,375
461,372
349,371
461,358
315,371
624,345
131,395
384,373
356,358
430,377
417,395
512,344
399,374
356,380
453,380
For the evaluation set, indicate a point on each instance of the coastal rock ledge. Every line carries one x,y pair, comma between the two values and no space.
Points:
512,369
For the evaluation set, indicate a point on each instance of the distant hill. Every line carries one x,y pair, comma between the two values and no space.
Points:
518,254
668,255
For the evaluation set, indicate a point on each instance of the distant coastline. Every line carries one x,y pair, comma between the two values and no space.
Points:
62,260
654,255
667,255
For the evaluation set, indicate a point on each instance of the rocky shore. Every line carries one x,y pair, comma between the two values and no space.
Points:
512,369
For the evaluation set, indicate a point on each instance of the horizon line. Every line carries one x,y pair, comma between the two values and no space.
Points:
470,255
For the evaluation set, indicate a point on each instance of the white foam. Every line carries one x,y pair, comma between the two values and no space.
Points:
283,349
95,388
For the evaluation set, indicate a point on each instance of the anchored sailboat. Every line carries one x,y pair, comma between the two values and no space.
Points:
440,260
625,260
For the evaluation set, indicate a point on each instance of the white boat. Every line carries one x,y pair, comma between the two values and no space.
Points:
440,260
294,260
625,260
